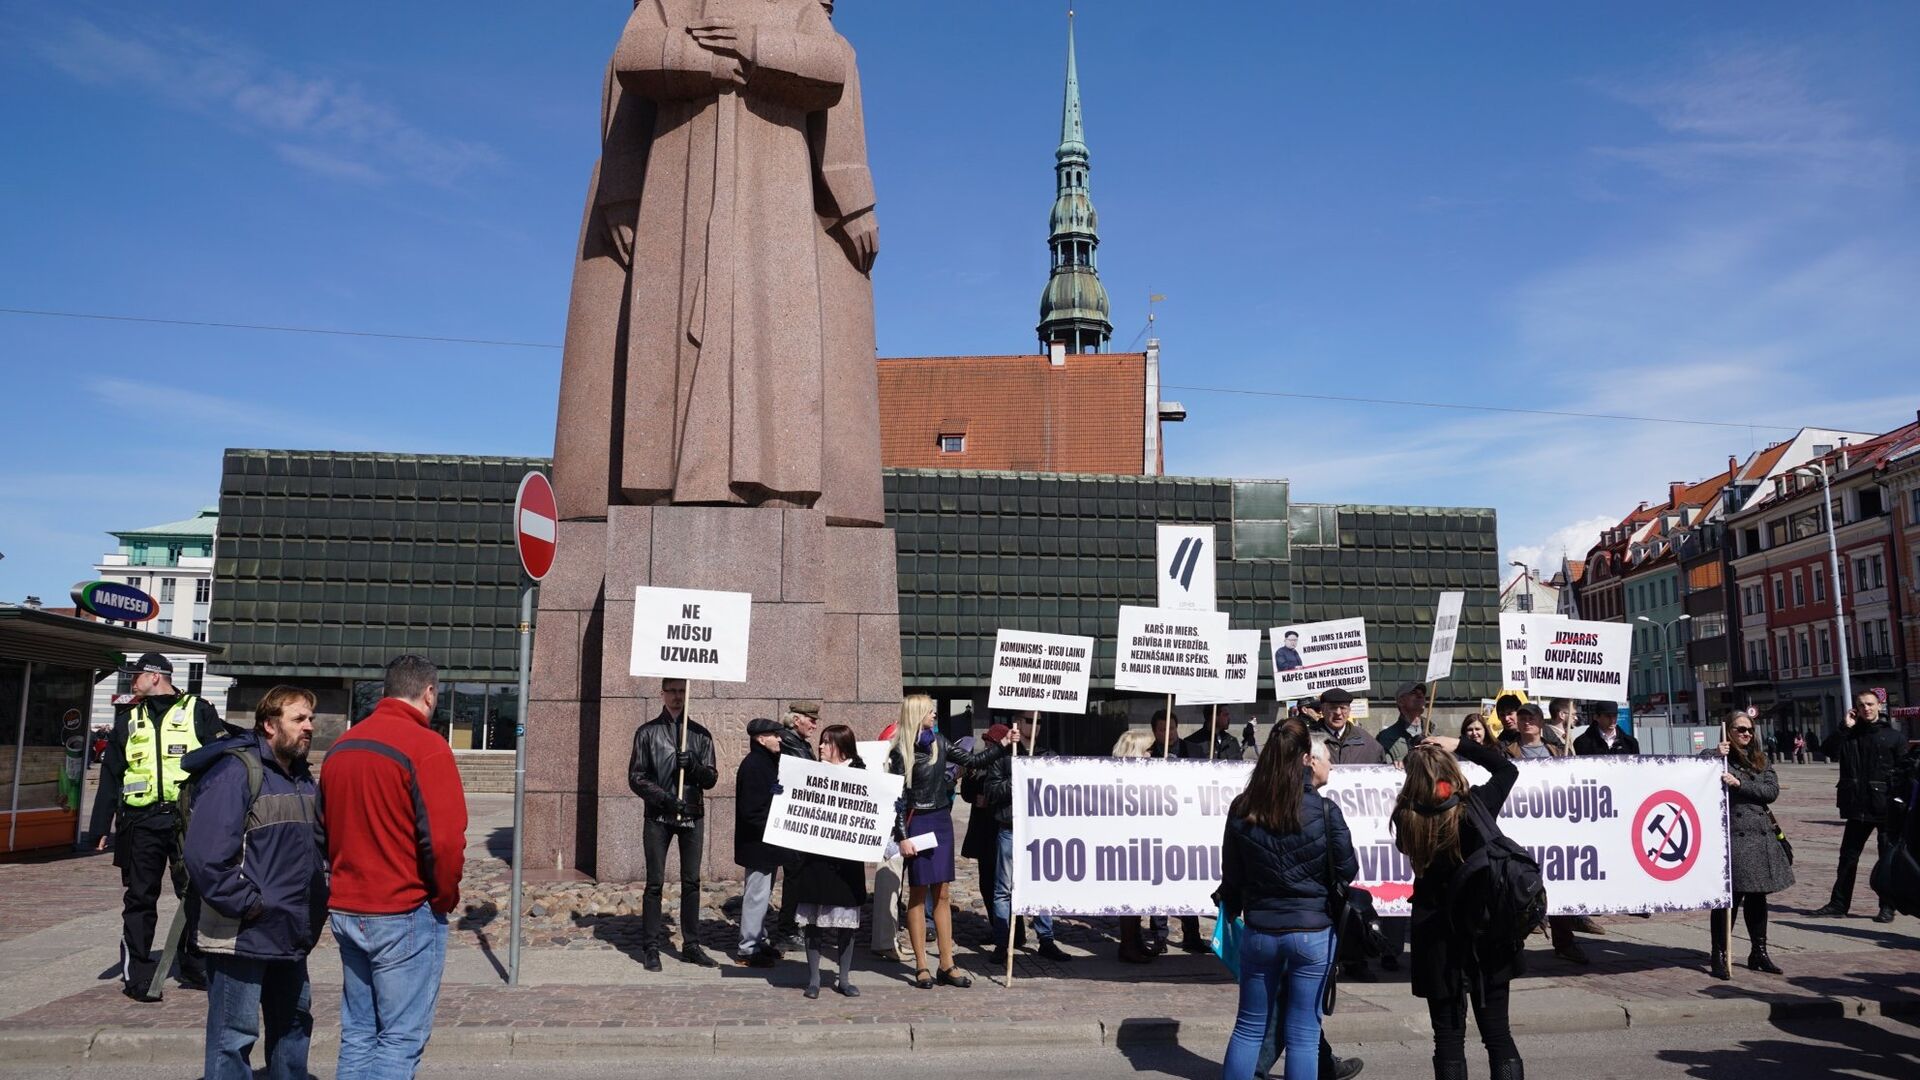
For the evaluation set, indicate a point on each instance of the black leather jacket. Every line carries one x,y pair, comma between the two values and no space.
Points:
996,788
930,788
653,771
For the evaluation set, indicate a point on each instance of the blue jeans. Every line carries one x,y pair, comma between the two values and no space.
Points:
1002,907
239,990
1292,967
392,981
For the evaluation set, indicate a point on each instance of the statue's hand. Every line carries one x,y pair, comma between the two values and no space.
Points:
721,36
619,219
863,239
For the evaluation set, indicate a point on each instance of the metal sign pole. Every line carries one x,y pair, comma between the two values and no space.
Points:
520,787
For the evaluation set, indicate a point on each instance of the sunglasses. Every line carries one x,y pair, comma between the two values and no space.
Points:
1743,731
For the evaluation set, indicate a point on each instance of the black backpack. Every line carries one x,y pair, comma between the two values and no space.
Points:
1504,894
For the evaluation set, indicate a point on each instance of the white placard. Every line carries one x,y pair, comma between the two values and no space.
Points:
1184,555
1311,658
833,810
1586,661
1169,652
1517,629
874,754
690,634
1239,673
1141,836
1446,634
1040,672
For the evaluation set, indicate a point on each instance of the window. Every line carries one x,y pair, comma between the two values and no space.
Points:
134,581
1819,584
203,591
199,629
194,673
173,554
1826,647
1779,593
1799,589
166,590
1806,650
1913,508
953,444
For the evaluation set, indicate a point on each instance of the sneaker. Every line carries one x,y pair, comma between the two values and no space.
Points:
1050,951
1885,916
1830,911
198,980
1347,1068
695,955
139,995
650,959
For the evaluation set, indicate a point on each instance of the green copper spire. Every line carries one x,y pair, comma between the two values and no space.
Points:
1074,310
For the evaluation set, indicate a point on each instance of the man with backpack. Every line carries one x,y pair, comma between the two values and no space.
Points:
140,777
255,858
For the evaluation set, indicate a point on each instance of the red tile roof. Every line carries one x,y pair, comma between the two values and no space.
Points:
1017,412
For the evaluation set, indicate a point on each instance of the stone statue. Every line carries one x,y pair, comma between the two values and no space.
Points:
720,342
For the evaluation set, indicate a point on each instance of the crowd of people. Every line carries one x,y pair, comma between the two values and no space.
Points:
263,855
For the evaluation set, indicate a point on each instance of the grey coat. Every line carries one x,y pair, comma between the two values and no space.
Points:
1759,864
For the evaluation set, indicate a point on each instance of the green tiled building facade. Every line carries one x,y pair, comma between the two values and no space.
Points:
331,563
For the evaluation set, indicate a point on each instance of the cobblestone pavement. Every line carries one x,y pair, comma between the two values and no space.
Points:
581,971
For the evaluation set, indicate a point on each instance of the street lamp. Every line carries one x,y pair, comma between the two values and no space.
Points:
1666,654
1526,580
1839,583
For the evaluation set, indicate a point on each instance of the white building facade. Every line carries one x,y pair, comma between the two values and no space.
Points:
173,563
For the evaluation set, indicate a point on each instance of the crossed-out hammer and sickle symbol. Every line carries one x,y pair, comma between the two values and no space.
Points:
1675,840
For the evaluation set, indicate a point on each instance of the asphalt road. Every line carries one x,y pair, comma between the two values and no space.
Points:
1816,1050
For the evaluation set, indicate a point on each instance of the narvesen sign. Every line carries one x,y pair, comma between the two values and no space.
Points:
114,601
1123,836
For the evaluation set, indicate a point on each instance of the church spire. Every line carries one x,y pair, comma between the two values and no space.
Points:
1074,310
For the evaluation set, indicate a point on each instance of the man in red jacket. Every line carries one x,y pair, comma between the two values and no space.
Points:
395,820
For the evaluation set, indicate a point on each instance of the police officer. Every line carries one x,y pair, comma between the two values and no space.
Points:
140,777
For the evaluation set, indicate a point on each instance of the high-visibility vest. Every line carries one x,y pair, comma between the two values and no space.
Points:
154,751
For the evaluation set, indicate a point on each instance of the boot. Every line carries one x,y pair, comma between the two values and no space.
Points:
1510,1069
1717,965
1757,958
1449,1070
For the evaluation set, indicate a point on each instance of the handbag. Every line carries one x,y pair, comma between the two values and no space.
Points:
1780,834
1226,940
1356,926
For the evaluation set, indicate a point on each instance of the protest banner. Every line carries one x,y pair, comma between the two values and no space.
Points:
1446,635
1185,554
1314,657
1121,836
1586,661
833,810
689,634
1169,652
1040,672
1239,681
1518,629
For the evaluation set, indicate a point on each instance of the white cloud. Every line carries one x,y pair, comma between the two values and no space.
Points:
311,121
1572,541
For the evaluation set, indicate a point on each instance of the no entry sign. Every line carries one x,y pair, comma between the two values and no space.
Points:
534,515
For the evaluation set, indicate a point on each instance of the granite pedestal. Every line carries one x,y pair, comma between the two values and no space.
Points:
826,628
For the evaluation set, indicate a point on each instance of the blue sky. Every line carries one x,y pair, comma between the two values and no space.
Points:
1702,211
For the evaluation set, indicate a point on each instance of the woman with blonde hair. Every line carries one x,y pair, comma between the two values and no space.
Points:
921,754
1453,967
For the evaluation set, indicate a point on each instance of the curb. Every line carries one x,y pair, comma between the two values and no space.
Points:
497,1043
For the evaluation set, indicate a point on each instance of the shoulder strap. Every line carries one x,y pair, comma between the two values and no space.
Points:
251,760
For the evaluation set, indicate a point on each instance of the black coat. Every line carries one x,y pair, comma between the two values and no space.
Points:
981,840
819,879
1590,744
1225,747
1868,755
1445,955
996,790
1278,881
753,799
